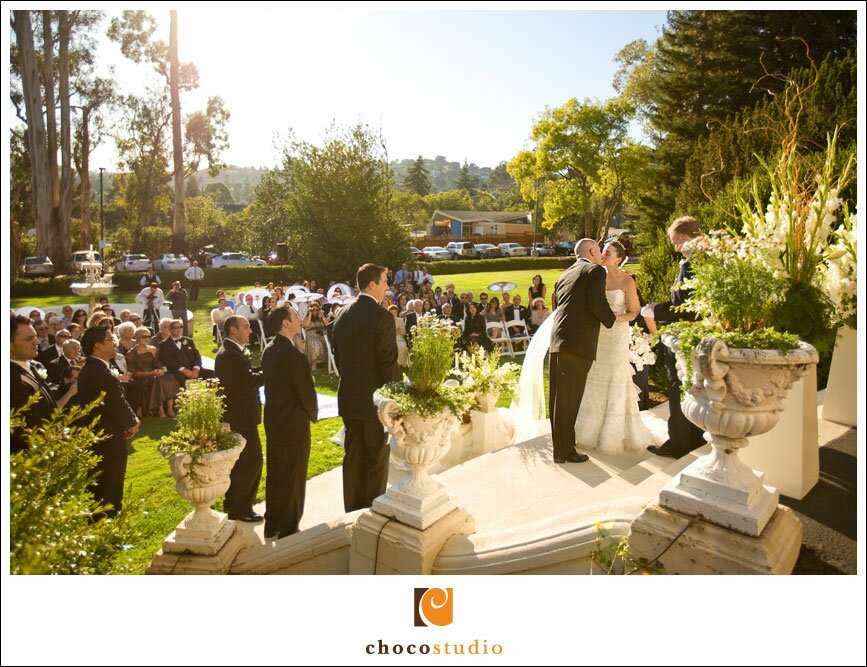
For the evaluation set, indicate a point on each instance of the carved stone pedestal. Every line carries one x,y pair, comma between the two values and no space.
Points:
706,548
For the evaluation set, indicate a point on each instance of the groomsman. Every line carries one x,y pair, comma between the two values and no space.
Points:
290,406
365,350
683,435
116,418
182,359
241,382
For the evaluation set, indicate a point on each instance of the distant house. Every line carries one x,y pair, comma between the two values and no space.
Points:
479,223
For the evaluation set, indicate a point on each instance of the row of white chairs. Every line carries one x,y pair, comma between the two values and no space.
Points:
500,336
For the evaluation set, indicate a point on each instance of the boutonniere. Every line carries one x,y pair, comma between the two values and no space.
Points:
41,373
247,353
114,372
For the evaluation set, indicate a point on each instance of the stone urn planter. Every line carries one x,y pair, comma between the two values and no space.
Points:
201,484
417,443
732,394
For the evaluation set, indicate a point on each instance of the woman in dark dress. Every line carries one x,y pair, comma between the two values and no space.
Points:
538,289
475,330
158,388
264,312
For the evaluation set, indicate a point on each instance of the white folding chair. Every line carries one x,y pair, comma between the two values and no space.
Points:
219,333
332,365
499,336
520,336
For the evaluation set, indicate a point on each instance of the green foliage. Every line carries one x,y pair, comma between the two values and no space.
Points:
51,510
482,374
416,179
431,360
500,264
736,293
613,555
219,192
806,311
336,211
207,223
198,432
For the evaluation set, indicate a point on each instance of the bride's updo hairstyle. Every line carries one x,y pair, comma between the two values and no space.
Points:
619,250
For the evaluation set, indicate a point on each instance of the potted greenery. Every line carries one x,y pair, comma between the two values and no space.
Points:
421,411
485,379
735,366
201,452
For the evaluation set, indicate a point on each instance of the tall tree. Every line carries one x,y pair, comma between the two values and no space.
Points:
416,179
178,225
465,180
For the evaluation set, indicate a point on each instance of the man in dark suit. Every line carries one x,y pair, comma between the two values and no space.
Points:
69,357
290,406
683,435
116,418
455,300
181,357
517,312
365,350
26,378
241,382
581,308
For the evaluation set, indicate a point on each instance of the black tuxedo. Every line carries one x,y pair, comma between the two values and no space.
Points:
56,368
365,350
684,436
48,355
115,419
457,307
410,321
22,386
521,313
186,357
581,308
290,406
241,384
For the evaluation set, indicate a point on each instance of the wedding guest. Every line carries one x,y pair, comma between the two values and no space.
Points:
178,297
475,330
114,414
365,350
538,313
70,357
194,275
493,312
126,337
538,290
80,318
400,333
180,356
66,311
149,277
264,315
164,332
241,382
75,330
290,406
219,315
157,388
314,327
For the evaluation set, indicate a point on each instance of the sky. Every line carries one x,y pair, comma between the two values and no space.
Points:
463,84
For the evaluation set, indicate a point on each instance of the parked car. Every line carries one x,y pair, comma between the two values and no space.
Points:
462,250
79,257
513,250
565,248
133,262
488,250
235,259
168,261
419,256
541,250
436,252
37,266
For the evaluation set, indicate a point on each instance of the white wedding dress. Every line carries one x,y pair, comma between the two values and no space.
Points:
608,419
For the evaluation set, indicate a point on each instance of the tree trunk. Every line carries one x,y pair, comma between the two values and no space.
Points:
62,240
178,222
40,179
86,236
51,136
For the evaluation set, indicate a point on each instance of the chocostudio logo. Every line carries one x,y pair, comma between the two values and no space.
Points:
433,606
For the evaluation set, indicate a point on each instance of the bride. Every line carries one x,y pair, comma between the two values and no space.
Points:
608,419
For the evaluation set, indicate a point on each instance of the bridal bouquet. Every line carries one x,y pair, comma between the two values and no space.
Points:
641,352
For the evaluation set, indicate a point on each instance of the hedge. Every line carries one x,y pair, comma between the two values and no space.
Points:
247,275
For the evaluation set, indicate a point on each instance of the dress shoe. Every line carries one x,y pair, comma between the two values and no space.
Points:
665,449
574,457
252,517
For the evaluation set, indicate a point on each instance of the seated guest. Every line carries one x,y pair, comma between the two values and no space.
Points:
157,388
68,382
42,340
411,318
248,310
80,318
103,302
70,357
163,333
108,311
427,307
75,330
447,313
49,354
66,313
538,313
517,312
126,334
180,356
125,315
219,315
475,330
493,312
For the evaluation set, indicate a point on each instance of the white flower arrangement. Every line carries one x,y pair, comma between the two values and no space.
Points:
641,352
482,373
840,274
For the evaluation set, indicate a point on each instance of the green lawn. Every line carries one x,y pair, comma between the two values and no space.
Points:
150,490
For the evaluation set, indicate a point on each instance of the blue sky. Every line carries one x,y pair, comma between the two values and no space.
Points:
463,84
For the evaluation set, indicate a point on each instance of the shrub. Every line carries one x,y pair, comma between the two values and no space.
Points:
500,264
52,529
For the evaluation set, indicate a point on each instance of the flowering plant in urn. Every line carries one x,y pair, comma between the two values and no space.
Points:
484,378
641,352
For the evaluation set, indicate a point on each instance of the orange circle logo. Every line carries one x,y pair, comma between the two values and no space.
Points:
433,606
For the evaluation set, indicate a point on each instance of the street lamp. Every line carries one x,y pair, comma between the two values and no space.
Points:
101,218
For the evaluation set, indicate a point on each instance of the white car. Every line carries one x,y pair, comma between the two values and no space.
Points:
436,252
168,261
513,250
81,257
236,259
133,263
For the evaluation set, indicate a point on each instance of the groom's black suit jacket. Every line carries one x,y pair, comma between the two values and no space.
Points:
581,308
365,350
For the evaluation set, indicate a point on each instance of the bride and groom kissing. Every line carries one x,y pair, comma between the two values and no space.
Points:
593,402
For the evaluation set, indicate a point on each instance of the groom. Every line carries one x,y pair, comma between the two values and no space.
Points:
579,298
